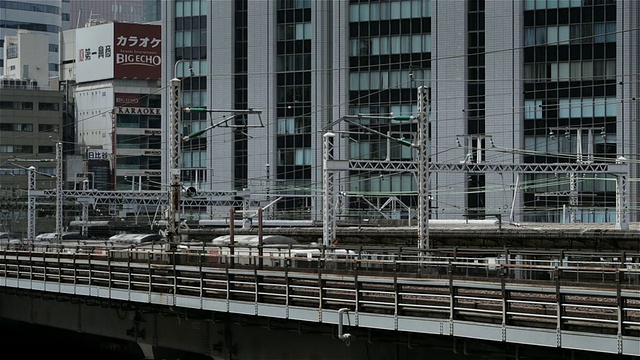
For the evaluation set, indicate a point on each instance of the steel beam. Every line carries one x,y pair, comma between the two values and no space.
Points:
173,212
31,217
59,188
423,168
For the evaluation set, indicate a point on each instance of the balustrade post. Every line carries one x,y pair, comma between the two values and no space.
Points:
30,268
505,304
256,287
559,309
320,290
621,304
231,236
109,270
150,275
201,258
507,261
175,276
287,285
452,295
260,239
90,268
44,269
59,271
560,264
357,286
226,269
75,270
129,258
395,296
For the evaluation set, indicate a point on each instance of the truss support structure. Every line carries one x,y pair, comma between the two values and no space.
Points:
173,211
331,166
328,194
59,195
622,216
618,169
423,168
85,210
31,214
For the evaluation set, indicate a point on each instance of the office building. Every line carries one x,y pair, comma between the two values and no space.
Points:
117,100
92,12
38,16
534,81
29,128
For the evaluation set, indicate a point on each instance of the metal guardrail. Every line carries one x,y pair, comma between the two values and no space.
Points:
579,297
435,287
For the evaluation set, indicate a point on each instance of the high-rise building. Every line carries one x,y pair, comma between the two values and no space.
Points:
533,81
50,17
38,16
86,12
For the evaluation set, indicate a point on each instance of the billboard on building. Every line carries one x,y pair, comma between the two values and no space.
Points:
94,53
138,51
118,51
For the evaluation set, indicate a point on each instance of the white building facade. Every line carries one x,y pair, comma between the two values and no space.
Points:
118,101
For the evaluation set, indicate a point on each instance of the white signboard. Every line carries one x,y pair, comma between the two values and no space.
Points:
94,53
97,154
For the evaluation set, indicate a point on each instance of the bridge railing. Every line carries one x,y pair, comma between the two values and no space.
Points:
459,288
571,267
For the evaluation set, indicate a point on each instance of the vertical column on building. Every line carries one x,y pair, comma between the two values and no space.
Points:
503,60
448,104
322,109
628,112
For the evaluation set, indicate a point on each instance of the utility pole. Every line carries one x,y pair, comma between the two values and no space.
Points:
85,209
31,218
423,168
331,166
328,183
173,213
59,189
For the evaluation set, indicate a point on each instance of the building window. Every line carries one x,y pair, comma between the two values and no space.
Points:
299,156
16,127
48,127
46,106
300,125
21,149
46,149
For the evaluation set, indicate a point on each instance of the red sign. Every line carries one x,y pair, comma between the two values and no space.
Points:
137,51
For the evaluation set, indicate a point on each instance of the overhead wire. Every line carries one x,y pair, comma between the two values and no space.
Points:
507,112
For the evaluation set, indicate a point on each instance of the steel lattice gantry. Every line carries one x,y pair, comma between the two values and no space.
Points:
158,199
620,171
31,213
59,187
174,162
423,168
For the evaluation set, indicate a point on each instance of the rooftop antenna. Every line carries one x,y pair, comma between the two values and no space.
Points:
78,20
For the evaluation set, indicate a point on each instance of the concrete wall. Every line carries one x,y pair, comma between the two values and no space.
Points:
503,99
448,92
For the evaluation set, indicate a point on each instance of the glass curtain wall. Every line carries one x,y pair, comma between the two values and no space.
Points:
570,107
293,134
476,104
190,47
389,57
